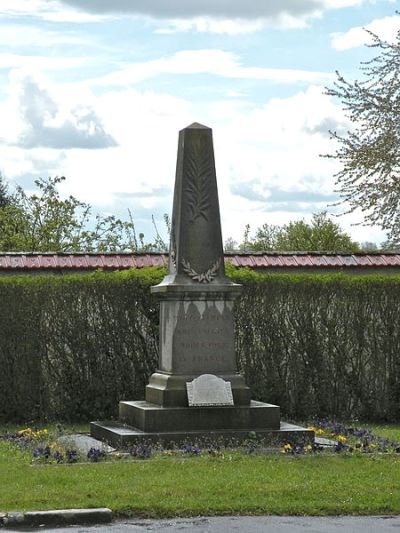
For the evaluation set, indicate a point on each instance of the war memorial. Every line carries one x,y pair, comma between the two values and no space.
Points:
197,393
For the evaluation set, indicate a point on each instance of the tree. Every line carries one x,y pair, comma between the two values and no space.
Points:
267,237
4,196
231,245
368,246
321,235
369,154
44,222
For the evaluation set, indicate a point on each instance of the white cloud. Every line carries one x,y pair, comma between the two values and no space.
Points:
212,25
340,4
42,122
213,62
39,63
23,35
386,28
272,146
51,10
18,7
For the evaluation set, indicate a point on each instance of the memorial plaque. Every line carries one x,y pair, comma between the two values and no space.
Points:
209,390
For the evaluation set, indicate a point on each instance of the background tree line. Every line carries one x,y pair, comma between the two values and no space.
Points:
45,222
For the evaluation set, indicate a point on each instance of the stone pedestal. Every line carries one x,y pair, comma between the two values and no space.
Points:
196,329
196,337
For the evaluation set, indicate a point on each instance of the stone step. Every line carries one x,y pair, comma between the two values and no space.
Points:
122,436
149,417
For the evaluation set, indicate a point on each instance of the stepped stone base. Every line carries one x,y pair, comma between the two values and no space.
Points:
121,436
149,417
142,422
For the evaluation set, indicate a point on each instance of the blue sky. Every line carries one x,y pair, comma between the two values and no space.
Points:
98,90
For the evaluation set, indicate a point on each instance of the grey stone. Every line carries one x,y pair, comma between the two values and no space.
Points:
197,335
328,443
68,516
196,251
14,519
83,443
169,390
123,435
150,417
208,390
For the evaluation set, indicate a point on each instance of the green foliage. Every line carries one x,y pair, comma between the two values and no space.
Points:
320,235
369,153
75,345
322,345
4,195
317,345
43,222
268,237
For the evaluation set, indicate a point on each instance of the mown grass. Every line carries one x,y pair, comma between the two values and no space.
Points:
387,431
231,483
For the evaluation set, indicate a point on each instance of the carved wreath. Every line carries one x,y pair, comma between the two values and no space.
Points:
204,277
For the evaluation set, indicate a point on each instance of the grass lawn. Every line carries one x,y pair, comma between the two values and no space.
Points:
229,483
388,431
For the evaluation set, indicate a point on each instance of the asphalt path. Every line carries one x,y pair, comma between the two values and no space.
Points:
243,524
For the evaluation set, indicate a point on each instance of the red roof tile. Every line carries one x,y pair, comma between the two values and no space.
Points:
331,261
377,260
270,260
364,260
392,260
289,260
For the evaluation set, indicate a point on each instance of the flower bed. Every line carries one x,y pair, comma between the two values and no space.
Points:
41,446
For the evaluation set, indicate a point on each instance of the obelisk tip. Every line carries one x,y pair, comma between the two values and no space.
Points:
197,126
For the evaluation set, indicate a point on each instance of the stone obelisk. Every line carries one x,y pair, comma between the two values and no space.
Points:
197,389
196,298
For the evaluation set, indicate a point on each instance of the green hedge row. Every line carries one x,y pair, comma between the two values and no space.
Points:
322,346
328,346
71,347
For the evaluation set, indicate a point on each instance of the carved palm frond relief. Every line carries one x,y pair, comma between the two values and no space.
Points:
199,172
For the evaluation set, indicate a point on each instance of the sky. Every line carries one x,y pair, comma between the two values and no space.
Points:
97,91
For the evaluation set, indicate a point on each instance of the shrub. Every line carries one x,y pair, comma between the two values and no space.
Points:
322,346
71,347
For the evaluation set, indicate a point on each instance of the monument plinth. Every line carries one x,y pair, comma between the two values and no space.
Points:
197,390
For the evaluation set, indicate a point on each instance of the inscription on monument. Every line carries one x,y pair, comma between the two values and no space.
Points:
203,339
207,390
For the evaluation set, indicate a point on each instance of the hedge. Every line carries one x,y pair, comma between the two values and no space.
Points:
321,346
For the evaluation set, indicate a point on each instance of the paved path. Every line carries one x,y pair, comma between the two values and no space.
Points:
244,524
